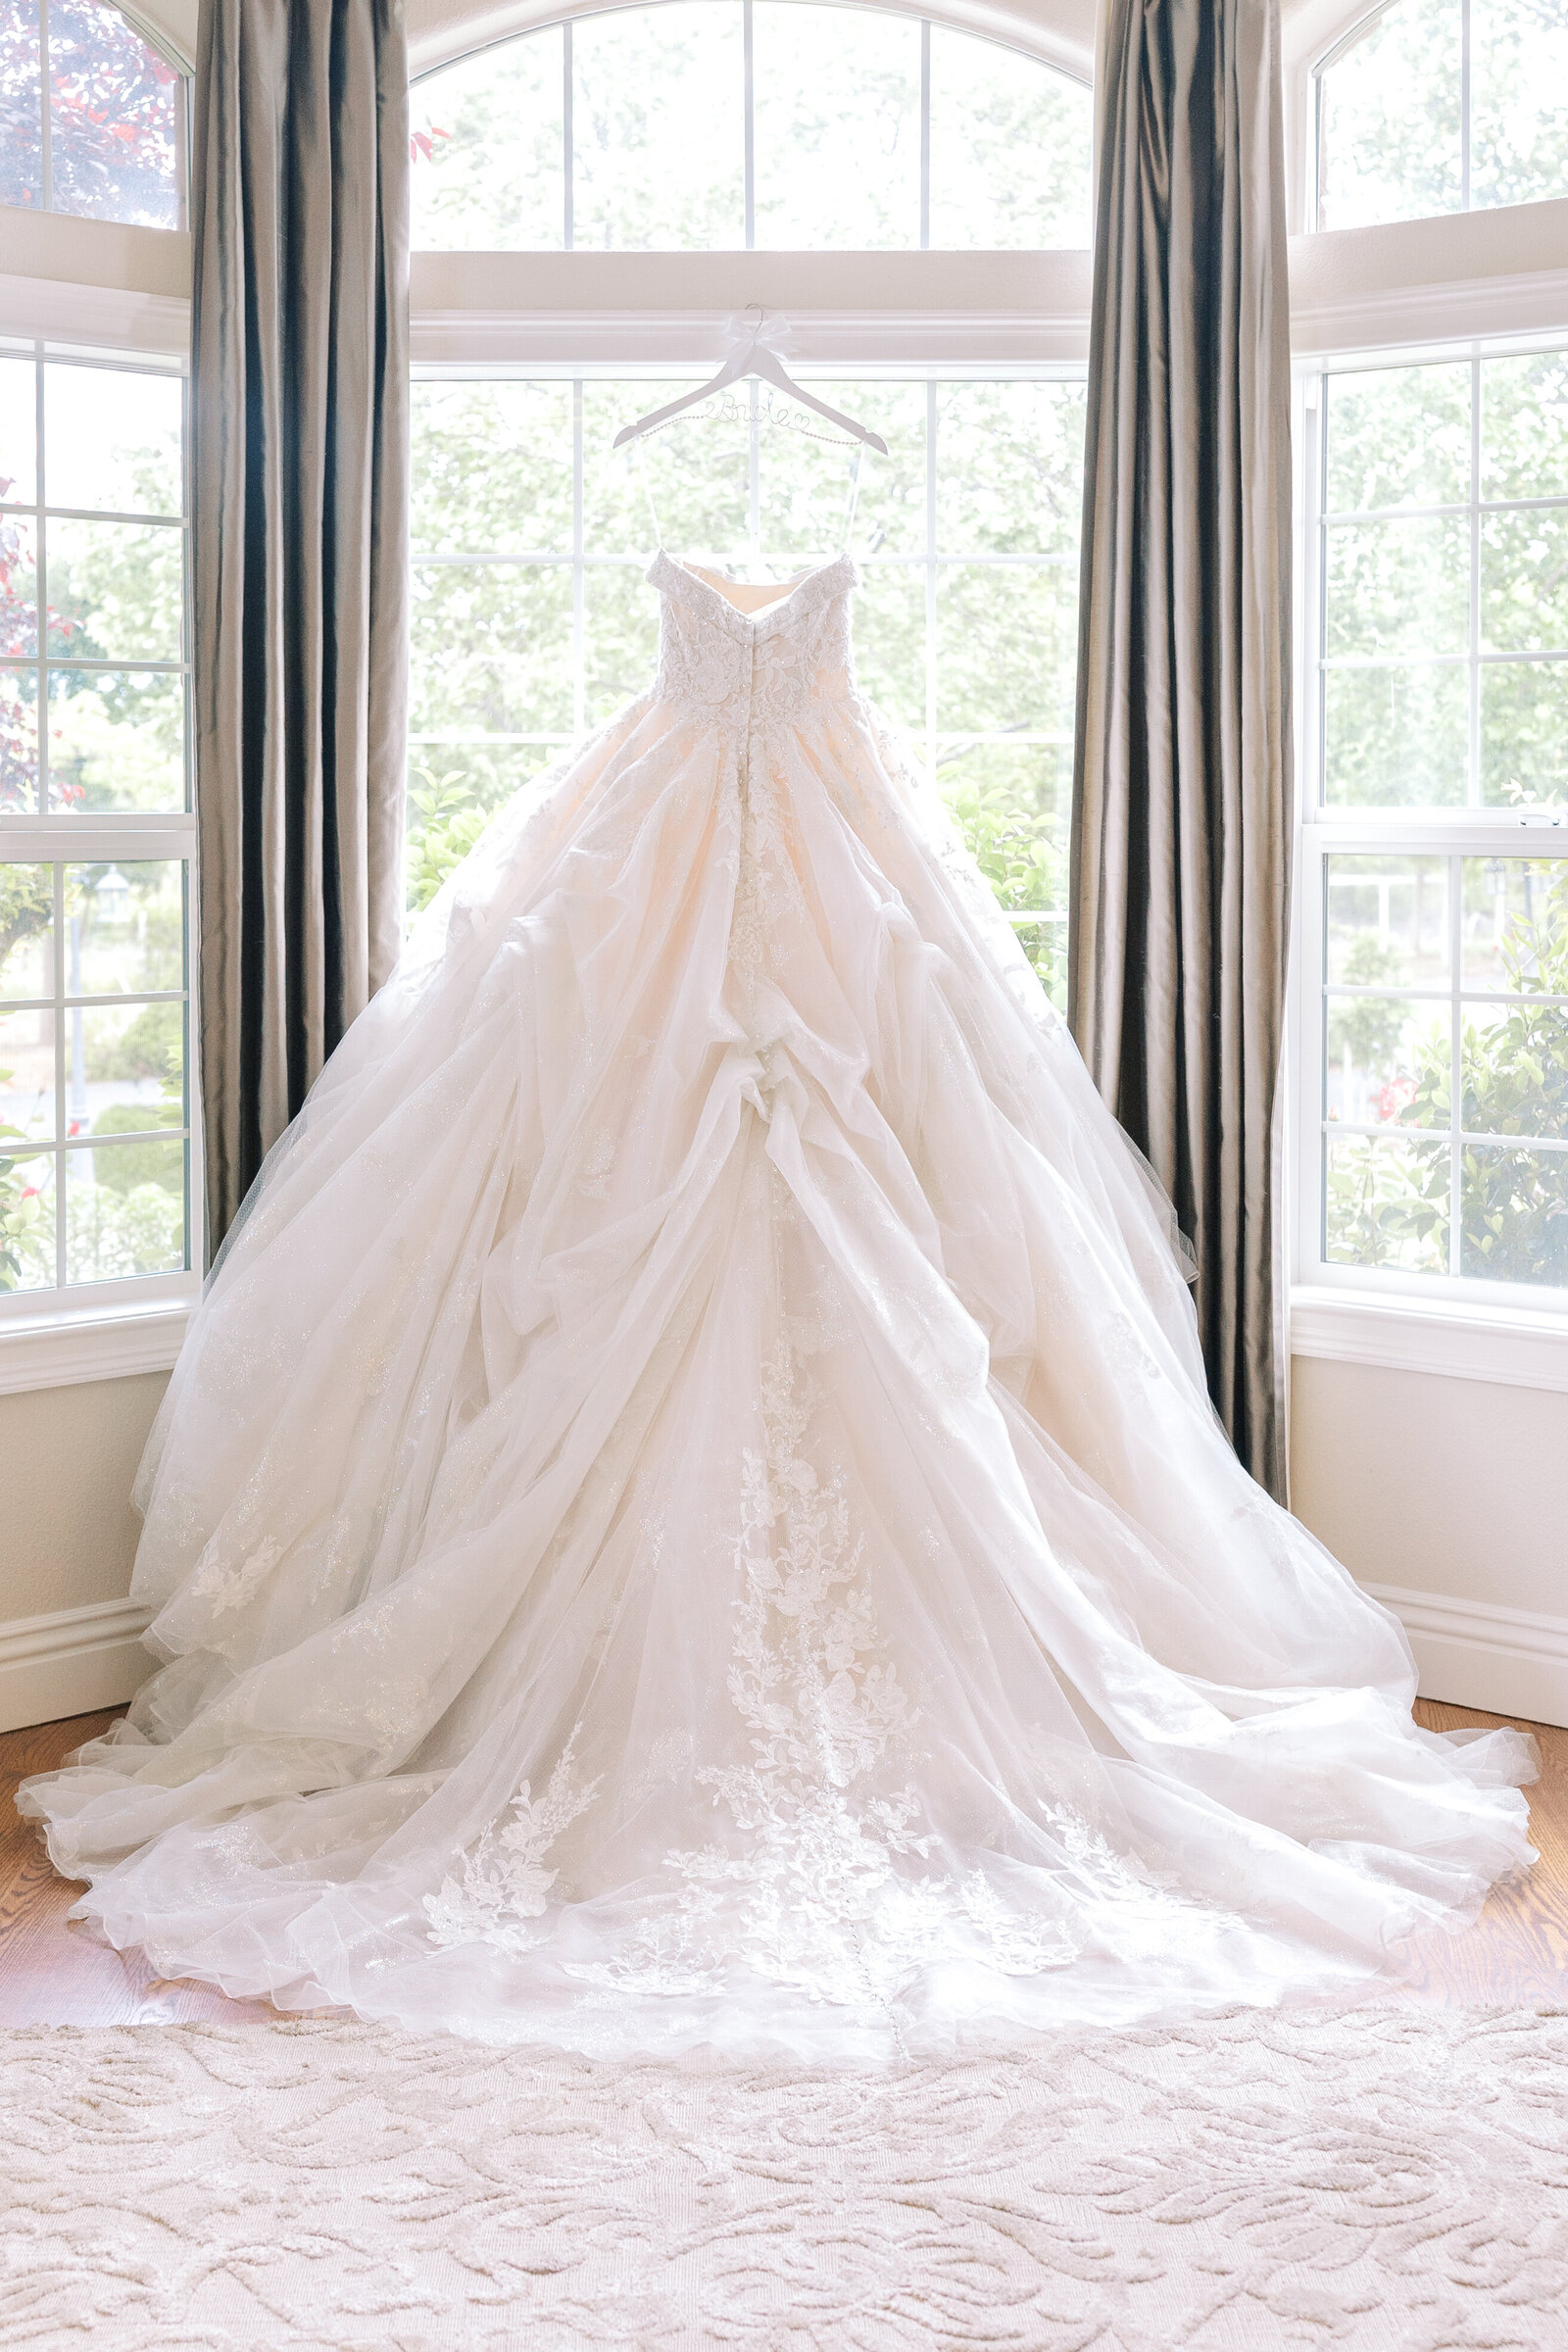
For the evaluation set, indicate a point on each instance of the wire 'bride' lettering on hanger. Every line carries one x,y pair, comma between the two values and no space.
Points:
726,409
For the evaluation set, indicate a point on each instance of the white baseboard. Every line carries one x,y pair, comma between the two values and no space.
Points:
71,1662
1476,1653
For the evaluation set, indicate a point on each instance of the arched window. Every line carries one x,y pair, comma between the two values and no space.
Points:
96,830
715,124
1443,106
608,191
92,116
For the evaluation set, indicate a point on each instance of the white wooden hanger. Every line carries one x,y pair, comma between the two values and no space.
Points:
754,357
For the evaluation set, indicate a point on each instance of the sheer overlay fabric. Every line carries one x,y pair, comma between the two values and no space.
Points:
690,1514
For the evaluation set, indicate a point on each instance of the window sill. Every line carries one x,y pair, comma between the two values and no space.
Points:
69,1350
1511,1348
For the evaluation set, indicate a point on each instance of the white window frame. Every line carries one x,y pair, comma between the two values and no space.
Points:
110,294
1457,285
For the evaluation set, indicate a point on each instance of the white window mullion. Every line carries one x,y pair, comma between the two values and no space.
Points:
1456,1080
925,132
749,112
932,682
46,157
568,223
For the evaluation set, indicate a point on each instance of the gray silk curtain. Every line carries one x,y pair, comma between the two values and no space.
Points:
300,428
1181,793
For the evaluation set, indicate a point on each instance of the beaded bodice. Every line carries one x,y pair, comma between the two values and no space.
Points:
749,674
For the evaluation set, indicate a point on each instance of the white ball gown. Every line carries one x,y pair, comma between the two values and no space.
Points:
689,1513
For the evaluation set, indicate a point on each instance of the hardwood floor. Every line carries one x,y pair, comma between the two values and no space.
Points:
53,1974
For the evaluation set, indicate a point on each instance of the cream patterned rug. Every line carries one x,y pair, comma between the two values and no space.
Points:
1383,2178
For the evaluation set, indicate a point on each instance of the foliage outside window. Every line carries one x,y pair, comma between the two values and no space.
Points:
1443,106
94,826
1443,701
92,119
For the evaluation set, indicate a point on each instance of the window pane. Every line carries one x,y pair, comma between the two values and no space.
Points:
113,121
1396,737
115,591
127,927
19,741
1387,1060
1515,927
1524,426
890,640
492,648
26,1219
20,105
806,476
26,931
1515,1060
124,1210
133,1058
19,585
1524,733
1391,145
116,740
492,468
1515,1207
1524,582
1010,471
27,1076
838,127
112,439
454,790
658,127
1398,437
1012,802
621,630
1010,143
1007,647
486,143
1519,122
18,402
1385,1204
1388,920
1399,587
696,471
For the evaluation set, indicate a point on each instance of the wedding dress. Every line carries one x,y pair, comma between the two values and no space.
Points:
689,1513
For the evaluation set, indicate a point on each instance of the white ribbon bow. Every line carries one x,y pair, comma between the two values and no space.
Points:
744,331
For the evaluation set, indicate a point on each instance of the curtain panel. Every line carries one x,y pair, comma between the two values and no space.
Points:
1181,803
299,438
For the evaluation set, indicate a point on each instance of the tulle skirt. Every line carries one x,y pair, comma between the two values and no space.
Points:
690,1515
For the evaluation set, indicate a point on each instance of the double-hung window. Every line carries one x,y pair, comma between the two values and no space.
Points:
98,1190
1430,1172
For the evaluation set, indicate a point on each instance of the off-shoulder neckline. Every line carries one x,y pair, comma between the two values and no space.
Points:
669,572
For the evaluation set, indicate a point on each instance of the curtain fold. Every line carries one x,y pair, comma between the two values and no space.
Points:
1182,802
300,447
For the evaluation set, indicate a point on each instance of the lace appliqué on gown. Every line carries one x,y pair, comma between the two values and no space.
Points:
504,1883
809,1892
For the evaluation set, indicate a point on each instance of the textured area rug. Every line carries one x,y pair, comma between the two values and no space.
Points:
1381,2178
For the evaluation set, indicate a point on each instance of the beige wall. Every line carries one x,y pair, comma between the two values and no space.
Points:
1441,1486
67,1457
